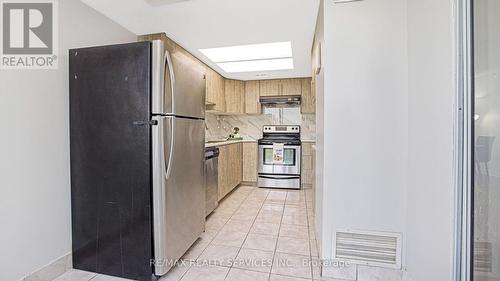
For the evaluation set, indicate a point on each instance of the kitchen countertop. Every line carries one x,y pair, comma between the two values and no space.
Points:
226,142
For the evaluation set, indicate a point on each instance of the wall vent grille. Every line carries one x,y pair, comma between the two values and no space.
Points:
369,248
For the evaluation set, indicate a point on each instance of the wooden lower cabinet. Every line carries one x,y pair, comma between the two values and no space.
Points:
307,165
250,161
230,168
223,171
235,164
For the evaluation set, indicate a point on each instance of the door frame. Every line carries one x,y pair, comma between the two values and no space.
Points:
464,141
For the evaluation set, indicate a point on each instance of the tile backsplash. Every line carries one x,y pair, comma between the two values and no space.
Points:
220,126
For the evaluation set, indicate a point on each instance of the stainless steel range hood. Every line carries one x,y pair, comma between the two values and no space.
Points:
280,101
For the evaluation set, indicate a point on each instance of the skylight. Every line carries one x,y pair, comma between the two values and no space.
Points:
256,65
248,58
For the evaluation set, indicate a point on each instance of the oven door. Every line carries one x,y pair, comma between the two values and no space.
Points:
291,160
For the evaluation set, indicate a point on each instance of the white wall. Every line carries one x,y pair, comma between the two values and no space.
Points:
385,127
319,83
34,148
365,118
430,129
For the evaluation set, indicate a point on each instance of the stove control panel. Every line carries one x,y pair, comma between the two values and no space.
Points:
281,129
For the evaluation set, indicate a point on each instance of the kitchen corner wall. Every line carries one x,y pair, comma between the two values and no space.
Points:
35,214
385,126
362,111
220,126
431,109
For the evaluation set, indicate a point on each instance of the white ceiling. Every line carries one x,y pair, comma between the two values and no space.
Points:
200,24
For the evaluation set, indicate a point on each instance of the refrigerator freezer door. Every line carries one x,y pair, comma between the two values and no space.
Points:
184,86
158,61
179,207
110,159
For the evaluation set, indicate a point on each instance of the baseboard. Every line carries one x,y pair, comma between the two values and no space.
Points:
52,270
250,183
406,276
307,186
354,272
339,270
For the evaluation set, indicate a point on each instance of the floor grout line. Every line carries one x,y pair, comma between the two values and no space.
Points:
239,206
217,232
253,222
279,230
257,202
309,236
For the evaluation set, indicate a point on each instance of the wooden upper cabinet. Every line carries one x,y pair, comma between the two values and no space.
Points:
211,93
168,43
291,87
238,97
269,88
281,87
234,91
220,90
229,92
214,94
240,91
252,96
215,88
308,100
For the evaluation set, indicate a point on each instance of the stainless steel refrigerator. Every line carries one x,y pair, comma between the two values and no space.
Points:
137,158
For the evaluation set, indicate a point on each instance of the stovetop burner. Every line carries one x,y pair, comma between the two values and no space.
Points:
286,134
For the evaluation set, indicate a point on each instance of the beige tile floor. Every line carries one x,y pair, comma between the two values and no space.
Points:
254,235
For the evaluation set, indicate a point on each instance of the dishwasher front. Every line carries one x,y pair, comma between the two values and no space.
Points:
211,178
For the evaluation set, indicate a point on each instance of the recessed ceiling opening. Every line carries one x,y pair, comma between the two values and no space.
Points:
250,58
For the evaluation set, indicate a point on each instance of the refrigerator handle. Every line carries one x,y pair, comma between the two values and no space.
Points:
172,145
168,64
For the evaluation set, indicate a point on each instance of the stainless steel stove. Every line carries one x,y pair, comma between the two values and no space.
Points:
279,157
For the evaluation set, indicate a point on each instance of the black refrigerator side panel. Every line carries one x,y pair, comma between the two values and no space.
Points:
111,159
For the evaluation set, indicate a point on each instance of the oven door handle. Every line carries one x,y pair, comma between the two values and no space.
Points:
279,177
293,146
